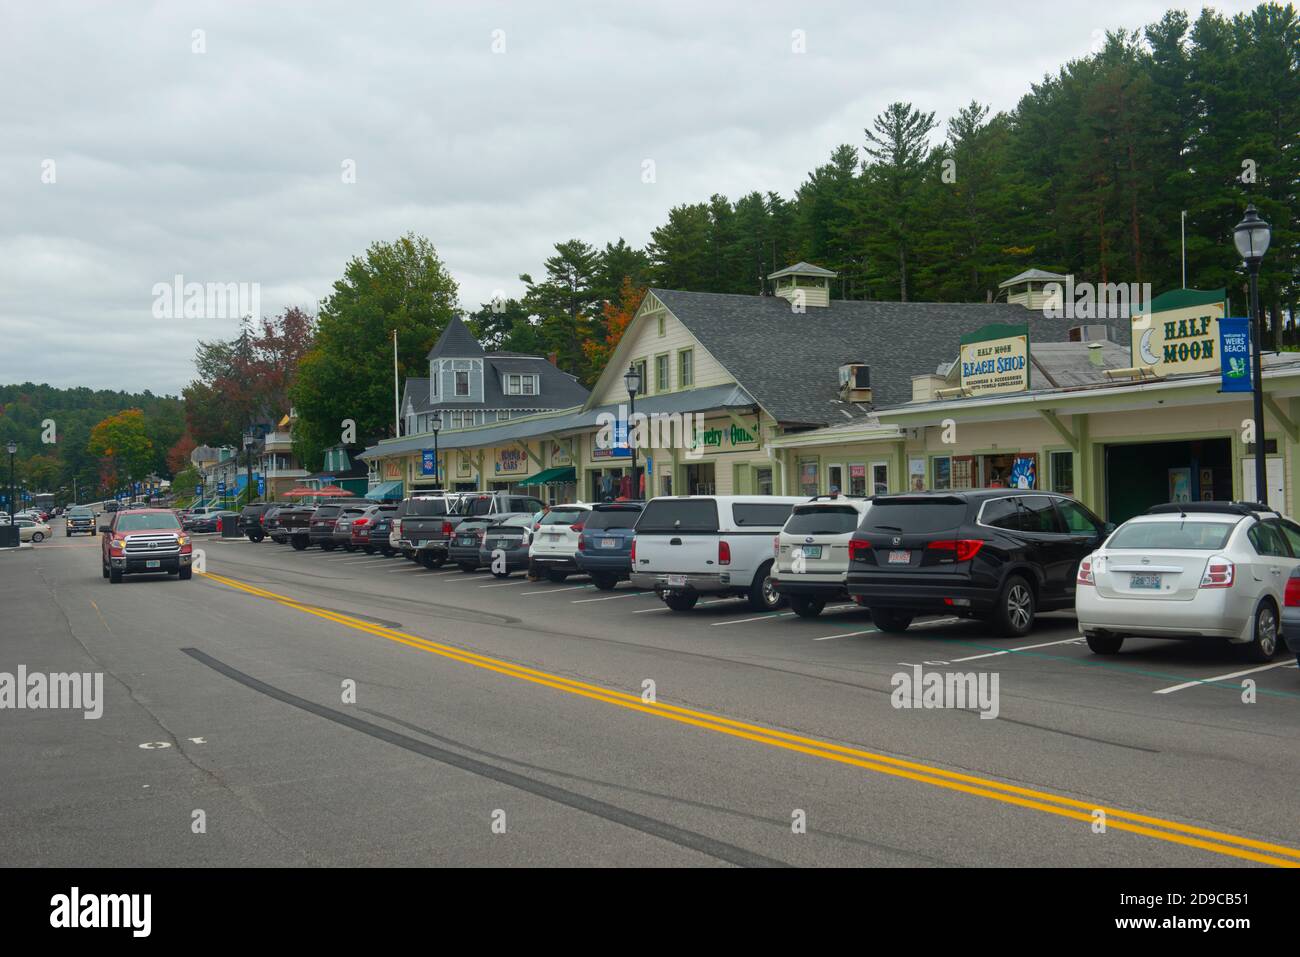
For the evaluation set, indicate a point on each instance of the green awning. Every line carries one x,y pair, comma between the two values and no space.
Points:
386,491
555,476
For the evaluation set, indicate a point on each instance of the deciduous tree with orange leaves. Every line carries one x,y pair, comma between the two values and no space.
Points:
617,316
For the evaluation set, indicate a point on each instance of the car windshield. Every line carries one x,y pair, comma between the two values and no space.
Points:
915,515
1195,536
145,522
80,511
822,520
613,518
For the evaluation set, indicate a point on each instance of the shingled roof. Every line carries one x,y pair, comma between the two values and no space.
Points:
456,341
790,361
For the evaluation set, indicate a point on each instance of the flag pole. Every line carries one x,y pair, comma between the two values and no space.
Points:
397,404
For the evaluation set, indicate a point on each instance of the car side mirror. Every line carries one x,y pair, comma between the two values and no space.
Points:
1108,528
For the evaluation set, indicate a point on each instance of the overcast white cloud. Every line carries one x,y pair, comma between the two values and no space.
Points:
225,166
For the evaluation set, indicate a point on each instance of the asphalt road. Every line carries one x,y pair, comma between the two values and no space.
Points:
507,724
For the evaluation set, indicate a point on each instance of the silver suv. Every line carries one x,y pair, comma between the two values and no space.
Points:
812,552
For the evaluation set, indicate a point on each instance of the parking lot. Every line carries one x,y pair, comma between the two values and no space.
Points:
608,729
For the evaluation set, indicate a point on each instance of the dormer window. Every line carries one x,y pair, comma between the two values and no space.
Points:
521,384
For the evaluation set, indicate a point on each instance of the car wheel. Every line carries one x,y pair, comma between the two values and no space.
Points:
890,620
1263,645
681,600
557,576
327,546
298,544
368,549
255,538
1104,643
604,582
67,534
114,576
186,573
38,537
763,595
387,552
104,569
806,607
467,567
1014,615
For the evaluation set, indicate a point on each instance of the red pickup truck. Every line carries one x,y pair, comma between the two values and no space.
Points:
145,541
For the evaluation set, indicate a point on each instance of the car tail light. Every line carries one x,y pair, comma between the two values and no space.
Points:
446,529
632,552
1292,596
582,542
858,549
724,553
965,548
576,528
218,524
1085,573
776,545
360,522
1219,573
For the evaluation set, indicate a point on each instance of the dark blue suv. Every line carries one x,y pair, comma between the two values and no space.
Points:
605,545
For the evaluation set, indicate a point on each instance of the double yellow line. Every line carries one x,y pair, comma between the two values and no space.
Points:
1174,832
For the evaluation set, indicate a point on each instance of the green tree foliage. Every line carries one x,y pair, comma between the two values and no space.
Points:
348,371
124,448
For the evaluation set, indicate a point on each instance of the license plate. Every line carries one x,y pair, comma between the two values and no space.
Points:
676,581
1144,581
504,543
608,543
811,551
552,538
900,558
153,564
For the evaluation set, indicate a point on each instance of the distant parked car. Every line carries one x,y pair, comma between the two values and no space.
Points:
995,554
605,543
363,531
209,521
812,552
1196,570
250,521
504,546
342,533
321,528
30,530
1291,613
555,542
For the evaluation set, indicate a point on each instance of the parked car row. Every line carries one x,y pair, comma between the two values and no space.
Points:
1209,569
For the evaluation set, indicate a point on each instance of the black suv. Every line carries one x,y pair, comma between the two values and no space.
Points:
250,521
997,554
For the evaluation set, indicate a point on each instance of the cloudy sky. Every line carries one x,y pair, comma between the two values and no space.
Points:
134,149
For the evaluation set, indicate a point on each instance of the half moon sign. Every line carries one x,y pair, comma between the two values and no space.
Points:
1144,346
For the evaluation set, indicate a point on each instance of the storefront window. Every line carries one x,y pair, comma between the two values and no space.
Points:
763,481
942,468
808,478
1063,472
857,480
835,478
879,478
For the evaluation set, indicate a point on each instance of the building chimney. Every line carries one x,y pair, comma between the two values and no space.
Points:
804,285
1094,354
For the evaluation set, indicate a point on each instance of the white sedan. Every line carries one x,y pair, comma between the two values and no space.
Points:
1198,570
30,531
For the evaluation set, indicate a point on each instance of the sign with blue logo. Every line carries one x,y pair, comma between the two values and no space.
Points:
261,485
1234,354
221,488
428,463
612,443
198,490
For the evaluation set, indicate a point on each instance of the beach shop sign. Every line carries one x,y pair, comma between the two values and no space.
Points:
995,360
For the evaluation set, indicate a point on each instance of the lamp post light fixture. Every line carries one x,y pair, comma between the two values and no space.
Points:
13,450
249,439
436,424
1252,236
632,379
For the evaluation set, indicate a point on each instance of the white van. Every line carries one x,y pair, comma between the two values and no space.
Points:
690,545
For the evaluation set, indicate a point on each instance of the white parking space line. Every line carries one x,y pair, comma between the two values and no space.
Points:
413,568
848,634
628,594
1227,677
542,590
768,617
522,581
993,654
711,601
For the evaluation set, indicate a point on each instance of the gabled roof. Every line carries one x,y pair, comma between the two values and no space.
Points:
556,388
789,361
1033,275
802,269
456,342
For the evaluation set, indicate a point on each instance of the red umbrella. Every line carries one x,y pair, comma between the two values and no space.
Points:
333,491
299,492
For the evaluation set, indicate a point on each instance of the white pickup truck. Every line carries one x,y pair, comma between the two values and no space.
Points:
690,545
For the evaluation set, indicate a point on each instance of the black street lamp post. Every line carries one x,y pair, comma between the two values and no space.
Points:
632,379
1252,236
437,463
13,450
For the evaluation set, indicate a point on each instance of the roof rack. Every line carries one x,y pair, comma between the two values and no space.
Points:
835,497
1228,508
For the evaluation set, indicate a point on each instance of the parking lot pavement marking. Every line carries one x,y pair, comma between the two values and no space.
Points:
1008,651
413,568
711,601
1059,805
542,590
1227,677
848,634
770,616
522,581
626,594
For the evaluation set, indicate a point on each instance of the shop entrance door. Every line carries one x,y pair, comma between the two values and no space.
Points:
1143,474
700,480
